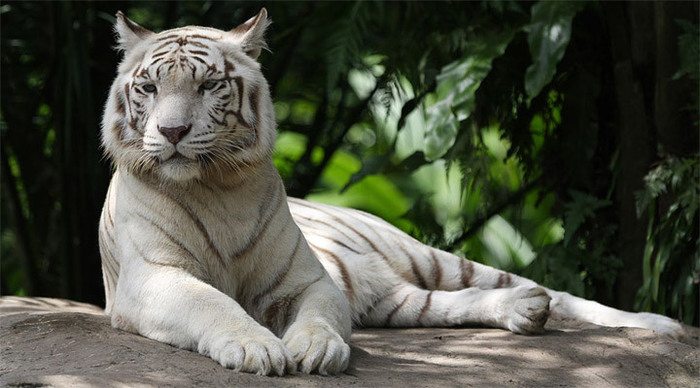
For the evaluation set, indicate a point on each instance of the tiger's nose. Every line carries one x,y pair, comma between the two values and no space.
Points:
175,134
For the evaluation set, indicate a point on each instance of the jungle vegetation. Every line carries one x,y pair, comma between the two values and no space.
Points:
554,139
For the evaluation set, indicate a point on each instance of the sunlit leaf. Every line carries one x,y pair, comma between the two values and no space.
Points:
456,85
548,36
371,165
375,194
505,246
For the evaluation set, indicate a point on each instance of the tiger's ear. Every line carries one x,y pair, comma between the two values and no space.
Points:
251,34
129,34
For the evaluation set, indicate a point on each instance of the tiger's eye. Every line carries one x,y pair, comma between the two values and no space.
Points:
149,88
208,85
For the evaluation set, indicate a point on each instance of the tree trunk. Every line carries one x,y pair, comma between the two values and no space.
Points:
629,26
673,115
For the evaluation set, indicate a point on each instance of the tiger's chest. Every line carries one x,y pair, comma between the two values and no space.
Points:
223,237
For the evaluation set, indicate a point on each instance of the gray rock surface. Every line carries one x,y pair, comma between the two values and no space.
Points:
51,342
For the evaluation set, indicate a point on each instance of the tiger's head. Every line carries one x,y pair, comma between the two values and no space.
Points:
189,103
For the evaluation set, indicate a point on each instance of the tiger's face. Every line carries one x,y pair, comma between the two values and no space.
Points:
189,103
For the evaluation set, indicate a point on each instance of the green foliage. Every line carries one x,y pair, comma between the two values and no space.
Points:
548,35
672,252
581,207
454,97
343,45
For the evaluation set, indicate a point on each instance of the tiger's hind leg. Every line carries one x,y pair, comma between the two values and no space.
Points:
361,242
522,309
380,297
563,305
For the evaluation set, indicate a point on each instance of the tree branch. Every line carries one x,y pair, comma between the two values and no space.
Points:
290,47
307,182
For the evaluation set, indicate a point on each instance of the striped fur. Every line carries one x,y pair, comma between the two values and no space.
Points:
202,249
394,280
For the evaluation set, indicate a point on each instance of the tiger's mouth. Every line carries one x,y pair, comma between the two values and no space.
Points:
179,167
178,158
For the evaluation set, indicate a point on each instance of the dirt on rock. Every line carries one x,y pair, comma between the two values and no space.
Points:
52,342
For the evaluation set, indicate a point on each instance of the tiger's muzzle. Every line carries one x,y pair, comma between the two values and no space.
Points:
175,134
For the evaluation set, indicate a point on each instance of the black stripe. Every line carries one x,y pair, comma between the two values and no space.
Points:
110,260
239,85
466,269
197,44
158,55
198,223
254,102
198,36
171,36
221,215
169,236
310,220
344,273
127,99
504,280
262,226
319,231
391,314
418,277
335,218
414,267
426,306
145,259
300,291
164,45
228,67
107,258
437,269
198,59
281,275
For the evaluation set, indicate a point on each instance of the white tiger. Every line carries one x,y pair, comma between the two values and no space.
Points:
202,249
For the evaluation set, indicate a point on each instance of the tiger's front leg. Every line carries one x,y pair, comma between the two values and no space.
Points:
170,305
318,335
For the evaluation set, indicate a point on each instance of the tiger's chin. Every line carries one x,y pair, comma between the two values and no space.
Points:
180,169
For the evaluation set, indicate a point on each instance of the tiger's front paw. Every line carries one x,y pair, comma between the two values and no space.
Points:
526,309
317,348
260,352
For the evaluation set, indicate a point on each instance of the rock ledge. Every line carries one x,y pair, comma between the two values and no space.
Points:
52,342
